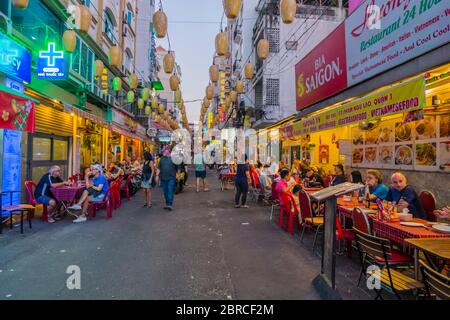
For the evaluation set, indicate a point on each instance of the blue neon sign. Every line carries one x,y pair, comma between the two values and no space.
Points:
15,61
51,64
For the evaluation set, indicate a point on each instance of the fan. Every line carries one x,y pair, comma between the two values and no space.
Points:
369,125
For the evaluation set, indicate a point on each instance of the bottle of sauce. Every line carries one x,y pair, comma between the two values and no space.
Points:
360,197
367,200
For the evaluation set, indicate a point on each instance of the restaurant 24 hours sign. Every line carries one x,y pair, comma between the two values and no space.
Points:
362,47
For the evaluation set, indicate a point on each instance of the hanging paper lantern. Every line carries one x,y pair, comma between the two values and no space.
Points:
178,96
141,103
21,4
233,95
263,49
239,86
227,102
133,81
232,8
249,71
174,83
161,108
206,102
214,73
222,43
115,56
117,84
288,10
130,96
209,92
160,22
168,62
70,40
153,116
155,103
99,66
145,94
147,110
85,18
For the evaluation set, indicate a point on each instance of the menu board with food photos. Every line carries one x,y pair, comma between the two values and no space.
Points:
417,145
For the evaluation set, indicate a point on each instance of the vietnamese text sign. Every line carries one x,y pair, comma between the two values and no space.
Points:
407,29
51,64
408,96
15,61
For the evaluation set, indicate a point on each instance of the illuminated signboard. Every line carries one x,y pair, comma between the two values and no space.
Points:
15,61
51,64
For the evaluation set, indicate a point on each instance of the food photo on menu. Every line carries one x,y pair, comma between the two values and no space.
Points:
444,126
358,155
426,154
385,134
370,155
444,155
404,155
403,132
426,128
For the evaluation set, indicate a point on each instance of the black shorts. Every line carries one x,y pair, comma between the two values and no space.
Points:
200,174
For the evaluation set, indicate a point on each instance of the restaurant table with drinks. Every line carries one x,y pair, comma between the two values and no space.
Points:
67,195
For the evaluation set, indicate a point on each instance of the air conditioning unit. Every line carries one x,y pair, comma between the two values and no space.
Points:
5,24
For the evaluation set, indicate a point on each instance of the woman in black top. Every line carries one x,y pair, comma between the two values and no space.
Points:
340,176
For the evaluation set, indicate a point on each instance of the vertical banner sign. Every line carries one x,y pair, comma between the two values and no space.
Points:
51,64
11,171
405,29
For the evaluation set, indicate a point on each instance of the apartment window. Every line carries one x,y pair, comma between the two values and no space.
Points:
128,60
87,3
273,35
129,15
110,25
272,92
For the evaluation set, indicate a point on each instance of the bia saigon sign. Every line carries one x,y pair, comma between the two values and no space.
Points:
15,61
51,64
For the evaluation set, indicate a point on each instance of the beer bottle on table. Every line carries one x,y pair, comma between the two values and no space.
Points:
367,200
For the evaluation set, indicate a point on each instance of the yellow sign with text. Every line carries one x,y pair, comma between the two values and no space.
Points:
405,97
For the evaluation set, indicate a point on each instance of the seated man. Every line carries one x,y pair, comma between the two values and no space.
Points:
96,189
405,196
114,172
443,213
374,186
44,195
314,180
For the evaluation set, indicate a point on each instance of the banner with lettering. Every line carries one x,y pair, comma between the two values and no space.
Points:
16,113
403,98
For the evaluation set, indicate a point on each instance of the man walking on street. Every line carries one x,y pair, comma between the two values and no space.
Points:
167,175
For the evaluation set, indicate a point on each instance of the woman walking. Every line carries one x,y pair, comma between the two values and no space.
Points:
148,172
200,174
241,182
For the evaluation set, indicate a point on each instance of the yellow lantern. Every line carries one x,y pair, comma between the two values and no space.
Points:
115,56
233,95
209,92
21,4
147,110
222,43
85,18
133,81
178,96
249,71
161,108
227,102
160,22
174,82
232,8
145,94
288,9
70,40
263,49
168,62
99,66
141,103
154,103
214,73
239,86
130,96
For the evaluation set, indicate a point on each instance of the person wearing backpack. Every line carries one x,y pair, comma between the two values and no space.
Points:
148,183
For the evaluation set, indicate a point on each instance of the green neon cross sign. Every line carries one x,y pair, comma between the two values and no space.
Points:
6,54
51,54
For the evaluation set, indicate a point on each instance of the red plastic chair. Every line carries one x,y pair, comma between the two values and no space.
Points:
29,186
126,188
327,181
114,189
288,209
345,235
105,203
361,221
428,201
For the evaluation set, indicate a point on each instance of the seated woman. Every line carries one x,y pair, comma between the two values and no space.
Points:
114,172
374,186
339,175
356,177
313,179
405,196
96,189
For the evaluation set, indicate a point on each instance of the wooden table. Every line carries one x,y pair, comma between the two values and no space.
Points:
439,247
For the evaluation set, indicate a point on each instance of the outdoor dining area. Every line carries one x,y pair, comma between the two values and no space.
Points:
391,232
80,197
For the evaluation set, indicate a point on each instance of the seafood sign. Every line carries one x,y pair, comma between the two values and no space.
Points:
405,97
16,113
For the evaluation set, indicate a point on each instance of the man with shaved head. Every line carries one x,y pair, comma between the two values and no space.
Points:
405,196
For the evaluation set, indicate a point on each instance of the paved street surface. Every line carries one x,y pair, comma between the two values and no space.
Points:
204,249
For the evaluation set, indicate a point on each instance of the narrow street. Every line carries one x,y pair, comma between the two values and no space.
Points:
204,249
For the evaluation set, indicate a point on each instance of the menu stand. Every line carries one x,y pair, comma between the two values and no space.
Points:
325,282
